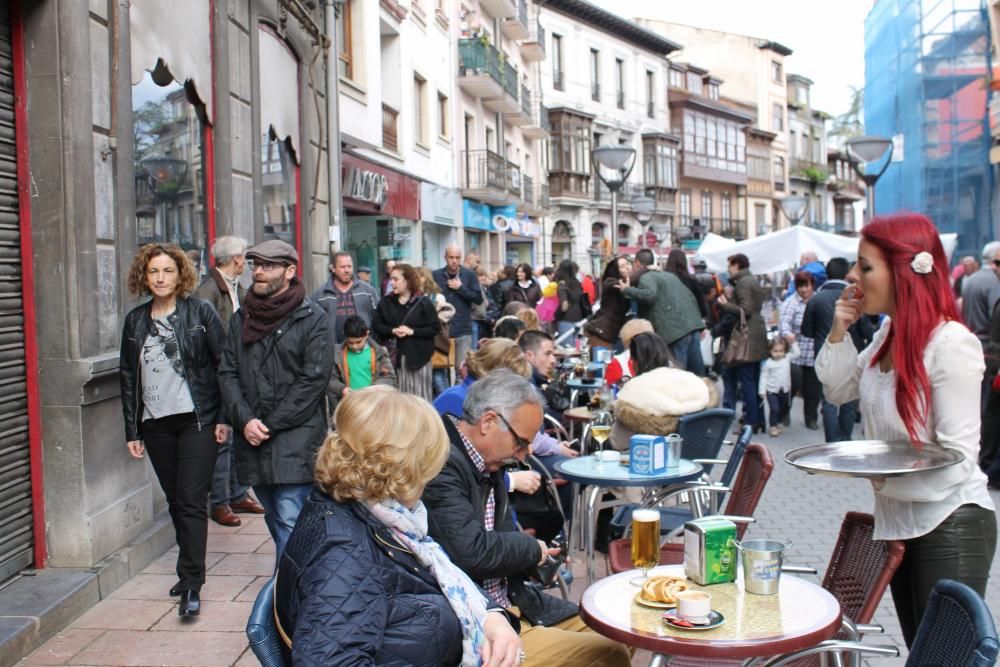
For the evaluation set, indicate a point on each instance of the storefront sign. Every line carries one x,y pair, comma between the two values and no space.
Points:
503,218
476,215
439,204
374,189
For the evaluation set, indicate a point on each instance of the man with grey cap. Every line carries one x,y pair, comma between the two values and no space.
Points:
273,376
223,290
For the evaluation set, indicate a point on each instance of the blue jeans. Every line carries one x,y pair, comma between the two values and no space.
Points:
282,505
838,423
478,329
687,351
777,403
225,487
747,376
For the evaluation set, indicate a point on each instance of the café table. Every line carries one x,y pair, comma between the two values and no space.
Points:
801,614
578,415
577,385
590,477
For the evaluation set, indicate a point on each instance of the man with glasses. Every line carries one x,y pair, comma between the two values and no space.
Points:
469,516
273,376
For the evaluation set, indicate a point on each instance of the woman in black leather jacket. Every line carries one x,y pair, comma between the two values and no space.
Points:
170,399
360,582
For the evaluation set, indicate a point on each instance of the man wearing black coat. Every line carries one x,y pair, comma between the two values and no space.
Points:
460,287
469,516
838,423
273,375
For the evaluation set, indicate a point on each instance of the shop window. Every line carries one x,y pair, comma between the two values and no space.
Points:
279,153
168,133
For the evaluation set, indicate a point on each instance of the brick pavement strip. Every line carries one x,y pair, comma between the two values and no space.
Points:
137,625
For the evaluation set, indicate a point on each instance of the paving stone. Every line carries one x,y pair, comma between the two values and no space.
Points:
187,648
261,565
249,594
146,587
124,614
253,526
215,616
223,588
167,563
61,648
237,543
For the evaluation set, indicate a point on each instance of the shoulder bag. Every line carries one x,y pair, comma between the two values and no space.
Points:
738,348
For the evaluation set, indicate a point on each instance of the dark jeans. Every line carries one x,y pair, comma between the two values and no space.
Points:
778,404
184,458
225,487
961,548
838,421
687,351
989,457
812,394
746,377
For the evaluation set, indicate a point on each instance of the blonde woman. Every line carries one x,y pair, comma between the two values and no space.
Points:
493,353
360,581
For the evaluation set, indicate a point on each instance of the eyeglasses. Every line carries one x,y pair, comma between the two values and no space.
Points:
255,264
996,262
519,442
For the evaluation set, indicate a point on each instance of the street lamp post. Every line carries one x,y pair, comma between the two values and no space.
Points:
619,160
794,207
869,150
643,208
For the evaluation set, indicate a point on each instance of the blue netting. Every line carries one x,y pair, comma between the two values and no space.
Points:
926,67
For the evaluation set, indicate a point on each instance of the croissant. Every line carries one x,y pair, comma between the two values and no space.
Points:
663,589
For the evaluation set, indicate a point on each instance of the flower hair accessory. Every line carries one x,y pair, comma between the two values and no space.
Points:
922,263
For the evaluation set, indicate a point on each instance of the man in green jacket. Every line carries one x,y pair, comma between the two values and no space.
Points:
672,308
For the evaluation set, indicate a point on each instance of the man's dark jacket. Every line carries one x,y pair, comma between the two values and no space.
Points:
817,320
365,300
456,508
349,594
215,290
200,341
280,380
463,298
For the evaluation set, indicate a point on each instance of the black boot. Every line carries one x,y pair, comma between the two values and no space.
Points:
190,604
175,590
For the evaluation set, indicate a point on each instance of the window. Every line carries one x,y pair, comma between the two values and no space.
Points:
792,136
595,75
817,151
716,143
779,170
676,78
706,205
694,83
345,64
660,164
777,117
713,91
557,63
760,218
650,94
624,231
420,110
443,123
726,208
684,204
776,72
620,82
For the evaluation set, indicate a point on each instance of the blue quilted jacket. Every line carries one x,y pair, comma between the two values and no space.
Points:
349,594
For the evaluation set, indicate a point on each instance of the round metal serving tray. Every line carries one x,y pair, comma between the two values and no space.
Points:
871,458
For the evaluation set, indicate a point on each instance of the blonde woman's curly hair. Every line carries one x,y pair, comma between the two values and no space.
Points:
187,277
387,445
530,318
494,353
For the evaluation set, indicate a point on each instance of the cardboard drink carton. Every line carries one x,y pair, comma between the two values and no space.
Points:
647,455
709,552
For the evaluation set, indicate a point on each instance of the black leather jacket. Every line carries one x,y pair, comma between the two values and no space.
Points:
200,338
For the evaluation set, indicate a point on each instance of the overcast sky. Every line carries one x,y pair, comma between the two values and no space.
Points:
827,38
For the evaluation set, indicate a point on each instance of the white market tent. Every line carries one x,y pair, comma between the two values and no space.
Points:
780,250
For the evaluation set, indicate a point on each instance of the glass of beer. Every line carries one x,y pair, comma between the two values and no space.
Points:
600,427
645,542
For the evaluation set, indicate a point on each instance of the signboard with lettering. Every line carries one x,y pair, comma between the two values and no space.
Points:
371,188
366,186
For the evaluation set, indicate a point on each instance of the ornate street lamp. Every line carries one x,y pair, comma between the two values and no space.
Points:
794,207
619,160
869,150
643,208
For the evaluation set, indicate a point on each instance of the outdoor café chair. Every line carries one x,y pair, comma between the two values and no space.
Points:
957,630
746,492
262,630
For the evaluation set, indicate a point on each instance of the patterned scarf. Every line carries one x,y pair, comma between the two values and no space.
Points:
465,598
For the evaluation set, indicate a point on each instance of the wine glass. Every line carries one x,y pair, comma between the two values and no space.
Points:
600,427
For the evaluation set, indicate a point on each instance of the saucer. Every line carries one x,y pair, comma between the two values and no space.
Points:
639,600
715,619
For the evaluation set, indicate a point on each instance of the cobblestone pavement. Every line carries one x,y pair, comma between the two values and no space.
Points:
138,626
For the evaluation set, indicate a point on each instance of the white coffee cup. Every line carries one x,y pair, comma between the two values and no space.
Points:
609,456
694,606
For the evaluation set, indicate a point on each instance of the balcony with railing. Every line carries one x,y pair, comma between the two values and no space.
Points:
523,114
595,91
485,177
500,9
537,201
539,127
620,99
626,194
390,128
513,183
527,195
729,228
479,68
533,48
515,27
507,101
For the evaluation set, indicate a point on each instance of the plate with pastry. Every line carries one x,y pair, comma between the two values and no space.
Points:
660,592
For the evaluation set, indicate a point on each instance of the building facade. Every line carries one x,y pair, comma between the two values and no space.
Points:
605,84
808,171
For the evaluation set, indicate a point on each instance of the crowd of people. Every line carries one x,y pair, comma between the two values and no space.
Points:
393,433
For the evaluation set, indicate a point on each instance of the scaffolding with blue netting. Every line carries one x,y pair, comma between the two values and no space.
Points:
927,74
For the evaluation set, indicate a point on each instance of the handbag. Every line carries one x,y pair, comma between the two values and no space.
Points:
738,348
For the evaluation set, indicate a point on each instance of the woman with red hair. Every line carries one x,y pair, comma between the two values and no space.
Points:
919,381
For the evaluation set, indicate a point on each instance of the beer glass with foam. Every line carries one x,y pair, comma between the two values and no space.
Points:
645,542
